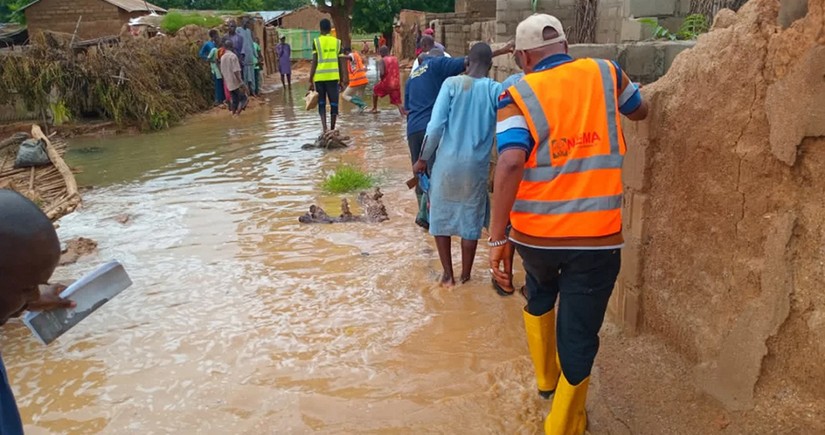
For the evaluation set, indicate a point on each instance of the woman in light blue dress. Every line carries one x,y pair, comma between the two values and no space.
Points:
460,134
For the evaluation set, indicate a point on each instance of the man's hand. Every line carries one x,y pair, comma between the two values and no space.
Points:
499,255
419,166
342,86
507,49
510,47
311,85
50,299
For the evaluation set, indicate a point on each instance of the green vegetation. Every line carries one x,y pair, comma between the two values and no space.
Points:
60,113
348,179
693,26
378,15
174,21
10,11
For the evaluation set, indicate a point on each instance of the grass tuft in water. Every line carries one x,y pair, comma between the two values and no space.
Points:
347,179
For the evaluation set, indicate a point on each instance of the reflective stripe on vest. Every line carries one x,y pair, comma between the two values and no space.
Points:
572,180
359,76
327,49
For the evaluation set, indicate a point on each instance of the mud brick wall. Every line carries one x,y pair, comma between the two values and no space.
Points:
307,17
99,18
725,222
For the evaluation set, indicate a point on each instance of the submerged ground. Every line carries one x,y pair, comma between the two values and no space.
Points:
242,320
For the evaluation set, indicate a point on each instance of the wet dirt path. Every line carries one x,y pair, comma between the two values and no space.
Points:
242,320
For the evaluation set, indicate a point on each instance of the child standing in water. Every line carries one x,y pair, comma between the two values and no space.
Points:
460,135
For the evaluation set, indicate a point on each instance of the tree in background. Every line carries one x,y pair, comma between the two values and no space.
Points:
232,5
341,13
378,15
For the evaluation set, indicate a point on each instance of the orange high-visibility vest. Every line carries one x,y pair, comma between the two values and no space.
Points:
572,184
358,75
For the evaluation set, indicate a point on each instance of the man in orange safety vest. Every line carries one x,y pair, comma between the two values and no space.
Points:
558,183
357,79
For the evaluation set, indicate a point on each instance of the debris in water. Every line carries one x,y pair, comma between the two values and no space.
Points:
122,218
374,211
76,248
330,140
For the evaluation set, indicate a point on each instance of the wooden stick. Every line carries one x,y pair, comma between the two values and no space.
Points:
31,179
76,27
57,161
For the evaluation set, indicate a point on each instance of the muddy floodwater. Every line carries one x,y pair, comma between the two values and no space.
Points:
241,320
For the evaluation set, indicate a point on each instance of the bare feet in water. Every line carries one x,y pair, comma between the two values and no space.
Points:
447,280
465,279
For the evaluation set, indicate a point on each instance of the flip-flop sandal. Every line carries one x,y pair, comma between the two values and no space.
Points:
422,223
500,290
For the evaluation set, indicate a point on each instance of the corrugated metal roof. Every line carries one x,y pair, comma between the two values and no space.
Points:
126,5
135,5
271,15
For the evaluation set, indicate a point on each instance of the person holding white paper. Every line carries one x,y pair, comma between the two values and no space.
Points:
29,253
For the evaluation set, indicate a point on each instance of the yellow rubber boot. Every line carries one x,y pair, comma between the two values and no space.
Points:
541,339
567,415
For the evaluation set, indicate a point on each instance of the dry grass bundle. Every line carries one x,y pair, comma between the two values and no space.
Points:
709,8
149,83
52,187
584,31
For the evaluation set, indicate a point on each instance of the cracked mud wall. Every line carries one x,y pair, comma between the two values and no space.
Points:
726,207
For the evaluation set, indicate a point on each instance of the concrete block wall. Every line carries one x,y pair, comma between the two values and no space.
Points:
457,30
610,20
478,8
511,12
658,8
644,62
610,17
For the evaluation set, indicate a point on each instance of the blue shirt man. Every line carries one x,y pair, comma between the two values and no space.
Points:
422,90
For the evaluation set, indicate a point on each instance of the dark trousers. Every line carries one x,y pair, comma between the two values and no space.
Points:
238,99
582,281
219,94
327,91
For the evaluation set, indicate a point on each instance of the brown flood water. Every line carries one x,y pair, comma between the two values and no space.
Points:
241,320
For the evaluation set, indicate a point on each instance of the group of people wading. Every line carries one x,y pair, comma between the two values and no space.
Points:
557,197
557,194
331,81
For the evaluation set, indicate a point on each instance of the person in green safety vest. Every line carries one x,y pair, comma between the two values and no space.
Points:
326,76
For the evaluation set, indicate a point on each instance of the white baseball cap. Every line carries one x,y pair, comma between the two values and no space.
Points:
530,32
